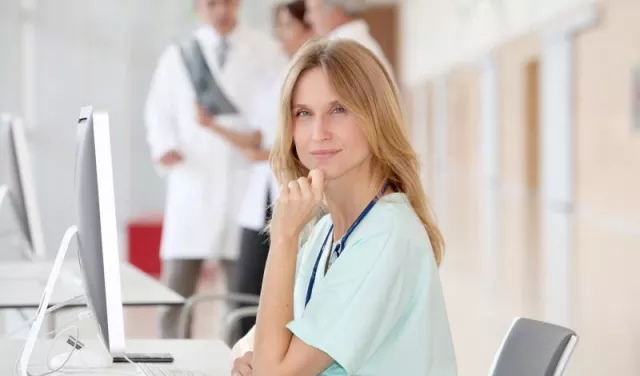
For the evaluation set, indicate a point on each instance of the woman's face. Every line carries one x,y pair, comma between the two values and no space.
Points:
290,31
326,135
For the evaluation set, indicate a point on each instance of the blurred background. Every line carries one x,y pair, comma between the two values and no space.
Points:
525,113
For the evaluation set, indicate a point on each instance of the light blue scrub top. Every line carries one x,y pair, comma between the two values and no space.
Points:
380,309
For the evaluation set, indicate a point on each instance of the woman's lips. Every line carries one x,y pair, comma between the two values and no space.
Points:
324,153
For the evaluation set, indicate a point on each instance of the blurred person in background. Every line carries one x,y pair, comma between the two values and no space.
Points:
205,174
292,31
342,19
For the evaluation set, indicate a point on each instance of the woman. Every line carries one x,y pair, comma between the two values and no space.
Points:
363,294
292,31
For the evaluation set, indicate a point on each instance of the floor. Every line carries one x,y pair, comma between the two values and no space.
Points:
507,257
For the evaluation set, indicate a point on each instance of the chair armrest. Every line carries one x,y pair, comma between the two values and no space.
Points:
236,315
196,299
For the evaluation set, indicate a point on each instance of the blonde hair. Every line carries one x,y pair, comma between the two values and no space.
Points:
367,89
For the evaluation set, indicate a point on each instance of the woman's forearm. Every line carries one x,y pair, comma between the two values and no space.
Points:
239,139
262,155
272,338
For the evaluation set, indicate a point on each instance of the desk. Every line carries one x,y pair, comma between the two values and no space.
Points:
211,357
22,284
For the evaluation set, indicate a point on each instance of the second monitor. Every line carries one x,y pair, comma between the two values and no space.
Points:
20,192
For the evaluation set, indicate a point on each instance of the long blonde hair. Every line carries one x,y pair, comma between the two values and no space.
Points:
365,87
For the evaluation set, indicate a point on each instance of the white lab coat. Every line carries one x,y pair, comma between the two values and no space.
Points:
205,191
358,30
261,180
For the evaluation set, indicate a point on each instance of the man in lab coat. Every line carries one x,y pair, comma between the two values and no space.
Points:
341,19
206,176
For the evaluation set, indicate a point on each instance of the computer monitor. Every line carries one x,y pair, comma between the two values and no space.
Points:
97,230
98,254
20,189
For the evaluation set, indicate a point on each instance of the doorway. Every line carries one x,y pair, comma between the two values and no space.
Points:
532,126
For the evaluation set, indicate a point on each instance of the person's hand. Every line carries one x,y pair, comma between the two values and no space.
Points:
170,158
298,203
256,138
242,365
204,117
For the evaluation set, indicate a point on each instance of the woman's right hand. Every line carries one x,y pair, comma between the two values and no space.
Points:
242,365
298,203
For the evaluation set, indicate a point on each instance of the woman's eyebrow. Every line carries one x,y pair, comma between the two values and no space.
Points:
331,104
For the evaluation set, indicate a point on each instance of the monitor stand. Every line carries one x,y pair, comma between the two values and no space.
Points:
92,356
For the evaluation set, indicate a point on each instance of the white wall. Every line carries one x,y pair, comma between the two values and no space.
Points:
489,120
9,56
557,99
9,100
439,33
102,53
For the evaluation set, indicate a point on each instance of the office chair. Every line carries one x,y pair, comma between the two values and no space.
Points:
534,348
233,318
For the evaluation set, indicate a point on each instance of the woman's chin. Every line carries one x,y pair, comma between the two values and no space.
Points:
330,174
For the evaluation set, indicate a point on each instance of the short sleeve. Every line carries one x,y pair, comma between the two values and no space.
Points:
359,302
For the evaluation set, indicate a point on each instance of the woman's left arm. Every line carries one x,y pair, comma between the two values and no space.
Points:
255,154
239,139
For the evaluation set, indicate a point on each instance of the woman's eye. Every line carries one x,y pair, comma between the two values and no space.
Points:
302,113
338,110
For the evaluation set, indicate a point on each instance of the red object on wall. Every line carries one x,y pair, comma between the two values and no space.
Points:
145,233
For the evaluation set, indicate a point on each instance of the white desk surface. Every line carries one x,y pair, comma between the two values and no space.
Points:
211,357
22,285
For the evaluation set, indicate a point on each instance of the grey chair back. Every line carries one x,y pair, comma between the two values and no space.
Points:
534,348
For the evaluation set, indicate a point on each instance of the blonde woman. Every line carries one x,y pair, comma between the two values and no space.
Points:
362,296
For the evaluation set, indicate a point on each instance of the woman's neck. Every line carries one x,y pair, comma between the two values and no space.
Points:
346,198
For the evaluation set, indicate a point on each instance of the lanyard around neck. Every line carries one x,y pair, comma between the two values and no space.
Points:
339,248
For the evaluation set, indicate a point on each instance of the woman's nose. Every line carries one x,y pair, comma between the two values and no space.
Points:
320,129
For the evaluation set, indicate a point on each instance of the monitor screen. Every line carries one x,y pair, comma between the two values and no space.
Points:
97,231
21,185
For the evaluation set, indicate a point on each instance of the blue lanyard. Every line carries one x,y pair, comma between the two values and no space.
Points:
340,246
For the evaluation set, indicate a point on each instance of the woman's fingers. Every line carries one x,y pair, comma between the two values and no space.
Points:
305,188
242,365
294,190
242,370
317,183
311,187
296,205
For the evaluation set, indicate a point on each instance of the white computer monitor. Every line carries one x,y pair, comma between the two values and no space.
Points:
98,251
20,190
98,254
